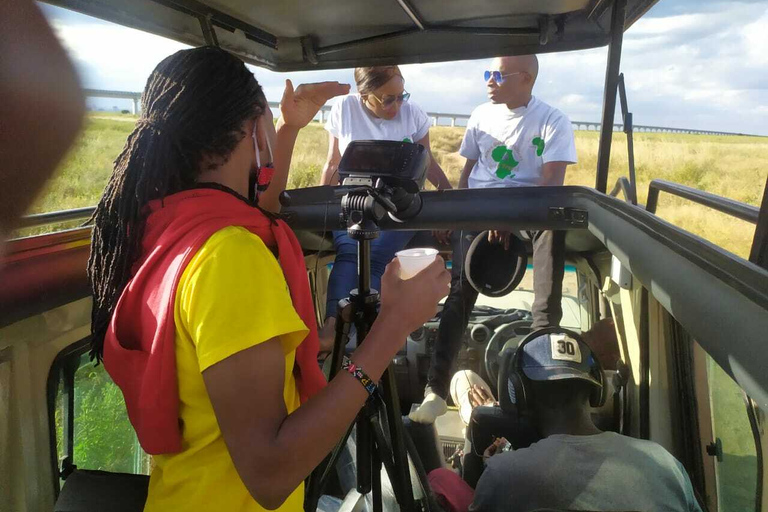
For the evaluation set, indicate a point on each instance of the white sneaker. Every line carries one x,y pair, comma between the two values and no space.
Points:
461,384
432,407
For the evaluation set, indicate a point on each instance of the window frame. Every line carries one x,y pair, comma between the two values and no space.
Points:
65,361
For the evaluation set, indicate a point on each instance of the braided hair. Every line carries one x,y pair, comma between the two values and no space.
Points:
195,106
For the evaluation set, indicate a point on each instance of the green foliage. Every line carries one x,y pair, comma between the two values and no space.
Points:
737,472
82,176
104,438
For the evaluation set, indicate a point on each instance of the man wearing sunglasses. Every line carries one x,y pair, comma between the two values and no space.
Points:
515,140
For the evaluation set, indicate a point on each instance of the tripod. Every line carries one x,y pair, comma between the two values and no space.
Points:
362,209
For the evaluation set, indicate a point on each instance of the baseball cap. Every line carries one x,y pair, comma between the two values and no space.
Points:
557,356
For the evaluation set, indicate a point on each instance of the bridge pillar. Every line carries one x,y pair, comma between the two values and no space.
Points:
434,121
453,122
135,106
322,116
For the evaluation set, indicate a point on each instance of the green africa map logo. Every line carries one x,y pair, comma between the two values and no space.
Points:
506,158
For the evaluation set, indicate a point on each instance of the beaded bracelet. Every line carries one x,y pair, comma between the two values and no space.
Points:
359,374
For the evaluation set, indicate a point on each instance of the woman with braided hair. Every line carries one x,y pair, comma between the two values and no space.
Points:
202,312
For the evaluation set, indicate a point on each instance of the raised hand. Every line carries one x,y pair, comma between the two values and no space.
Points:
478,396
298,107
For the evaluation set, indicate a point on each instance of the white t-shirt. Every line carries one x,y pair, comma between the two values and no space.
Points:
606,471
350,120
511,146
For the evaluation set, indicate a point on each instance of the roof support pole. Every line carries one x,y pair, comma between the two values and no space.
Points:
759,253
406,6
609,93
759,256
207,29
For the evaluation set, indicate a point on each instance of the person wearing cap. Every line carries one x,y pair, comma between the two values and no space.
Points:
515,140
575,466
468,389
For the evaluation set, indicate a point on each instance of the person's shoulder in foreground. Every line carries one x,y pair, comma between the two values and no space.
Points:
606,471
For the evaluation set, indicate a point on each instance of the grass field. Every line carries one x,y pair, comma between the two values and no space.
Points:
734,167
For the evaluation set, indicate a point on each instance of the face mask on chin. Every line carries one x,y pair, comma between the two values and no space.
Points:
260,177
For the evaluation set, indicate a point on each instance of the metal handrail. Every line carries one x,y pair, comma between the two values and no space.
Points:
623,185
731,207
44,219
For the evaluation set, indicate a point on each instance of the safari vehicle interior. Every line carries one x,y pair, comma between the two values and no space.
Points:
690,317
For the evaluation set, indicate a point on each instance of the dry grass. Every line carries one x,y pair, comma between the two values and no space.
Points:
734,167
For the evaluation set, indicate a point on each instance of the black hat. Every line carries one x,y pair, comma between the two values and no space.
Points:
493,270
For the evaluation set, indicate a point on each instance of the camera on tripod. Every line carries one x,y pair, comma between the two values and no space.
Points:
385,177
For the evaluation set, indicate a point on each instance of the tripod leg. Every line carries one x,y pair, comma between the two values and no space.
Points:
319,477
344,317
403,487
364,308
384,451
364,451
428,501
376,482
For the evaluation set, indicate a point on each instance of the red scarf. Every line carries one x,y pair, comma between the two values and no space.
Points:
139,351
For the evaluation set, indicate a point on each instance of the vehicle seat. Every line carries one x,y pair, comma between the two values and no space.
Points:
96,491
609,417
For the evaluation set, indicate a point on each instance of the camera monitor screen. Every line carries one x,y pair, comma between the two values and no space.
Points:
401,164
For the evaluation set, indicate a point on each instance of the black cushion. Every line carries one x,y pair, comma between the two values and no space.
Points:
98,491
486,424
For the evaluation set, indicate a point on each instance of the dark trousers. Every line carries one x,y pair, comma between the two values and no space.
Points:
548,270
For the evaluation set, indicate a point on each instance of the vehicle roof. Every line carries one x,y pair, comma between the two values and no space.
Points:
291,35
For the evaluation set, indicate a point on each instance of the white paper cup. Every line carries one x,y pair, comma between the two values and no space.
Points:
413,261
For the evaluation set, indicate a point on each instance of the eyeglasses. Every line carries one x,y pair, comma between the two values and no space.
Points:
497,76
390,100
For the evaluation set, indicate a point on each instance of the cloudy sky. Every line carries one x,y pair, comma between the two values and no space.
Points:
699,64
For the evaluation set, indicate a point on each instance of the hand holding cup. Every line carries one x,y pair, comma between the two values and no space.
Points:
410,296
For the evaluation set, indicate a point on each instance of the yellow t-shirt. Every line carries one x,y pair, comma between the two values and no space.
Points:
231,296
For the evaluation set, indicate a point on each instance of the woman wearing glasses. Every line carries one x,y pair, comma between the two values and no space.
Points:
379,111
